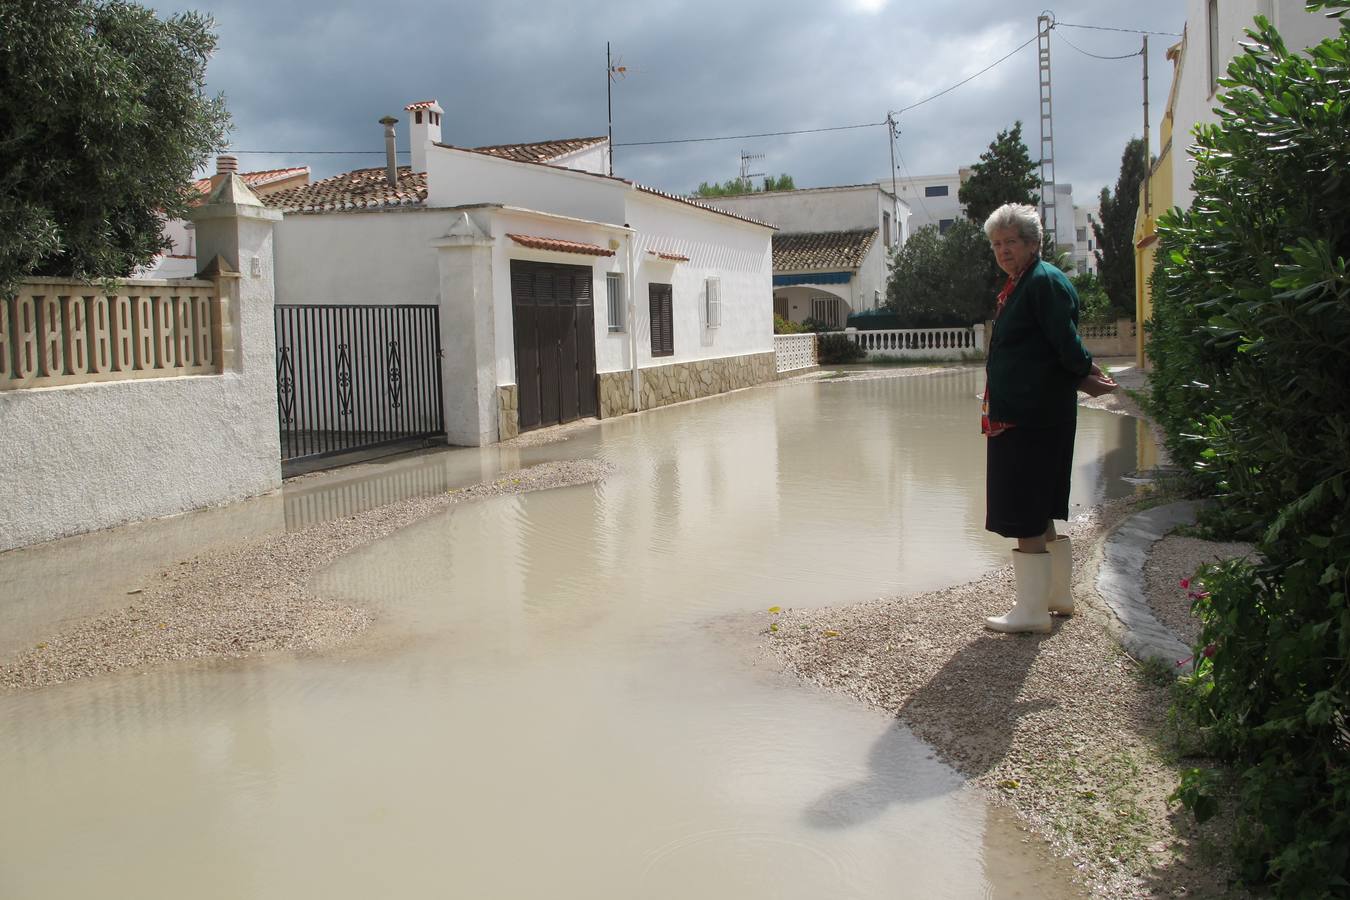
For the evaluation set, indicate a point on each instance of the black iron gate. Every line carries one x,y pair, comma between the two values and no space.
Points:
351,377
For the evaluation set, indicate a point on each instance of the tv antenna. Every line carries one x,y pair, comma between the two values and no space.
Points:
746,160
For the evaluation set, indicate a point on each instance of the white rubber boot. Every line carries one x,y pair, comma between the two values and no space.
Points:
1061,576
1032,610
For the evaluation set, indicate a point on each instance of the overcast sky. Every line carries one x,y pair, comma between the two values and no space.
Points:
311,75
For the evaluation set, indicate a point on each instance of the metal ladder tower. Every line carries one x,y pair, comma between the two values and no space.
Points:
1049,219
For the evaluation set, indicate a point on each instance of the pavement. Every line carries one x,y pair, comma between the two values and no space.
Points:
1121,583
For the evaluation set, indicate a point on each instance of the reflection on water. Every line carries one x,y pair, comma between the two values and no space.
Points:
555,703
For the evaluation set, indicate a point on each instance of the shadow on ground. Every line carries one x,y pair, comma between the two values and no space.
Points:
998,666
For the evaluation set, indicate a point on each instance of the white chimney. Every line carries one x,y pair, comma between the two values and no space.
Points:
390,153
424,121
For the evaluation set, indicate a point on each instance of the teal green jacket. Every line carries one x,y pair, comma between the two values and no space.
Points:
1036,358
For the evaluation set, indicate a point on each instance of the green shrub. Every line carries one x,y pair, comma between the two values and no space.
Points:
785,326
1251,345
835,348
1093,303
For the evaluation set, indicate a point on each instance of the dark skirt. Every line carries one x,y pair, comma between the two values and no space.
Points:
1027,474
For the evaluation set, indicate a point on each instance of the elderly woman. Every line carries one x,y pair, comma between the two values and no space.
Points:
1036,363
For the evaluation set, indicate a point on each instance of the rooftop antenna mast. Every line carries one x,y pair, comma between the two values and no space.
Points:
1044,23
613,69
746,159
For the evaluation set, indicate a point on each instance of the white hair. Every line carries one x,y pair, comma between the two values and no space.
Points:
1021,216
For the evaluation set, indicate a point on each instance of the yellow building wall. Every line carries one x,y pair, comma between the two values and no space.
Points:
1145,239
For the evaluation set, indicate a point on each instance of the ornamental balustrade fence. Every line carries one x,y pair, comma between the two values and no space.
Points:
59,332
921,343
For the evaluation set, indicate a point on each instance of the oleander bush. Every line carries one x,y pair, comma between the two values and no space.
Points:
1251,344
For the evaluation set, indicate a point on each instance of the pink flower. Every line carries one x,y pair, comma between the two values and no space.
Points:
1185,582
1208,651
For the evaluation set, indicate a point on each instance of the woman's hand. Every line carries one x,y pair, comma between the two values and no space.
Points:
1096,382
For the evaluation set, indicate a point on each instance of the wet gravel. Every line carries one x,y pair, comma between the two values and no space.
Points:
252,599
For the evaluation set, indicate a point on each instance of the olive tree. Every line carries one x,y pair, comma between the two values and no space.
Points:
103,121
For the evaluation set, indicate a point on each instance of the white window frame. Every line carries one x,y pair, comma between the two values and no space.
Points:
712,298
615,300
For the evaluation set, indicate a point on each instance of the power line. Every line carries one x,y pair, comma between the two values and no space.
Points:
1096,55
1108,28
321,152
737,137
734,137
964,80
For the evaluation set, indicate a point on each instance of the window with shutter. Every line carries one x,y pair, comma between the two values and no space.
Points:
714,301
662,319
614,289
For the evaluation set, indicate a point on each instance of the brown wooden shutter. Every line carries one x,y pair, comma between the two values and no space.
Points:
661,313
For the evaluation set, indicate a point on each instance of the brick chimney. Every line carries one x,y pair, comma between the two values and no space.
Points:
226,165
425,126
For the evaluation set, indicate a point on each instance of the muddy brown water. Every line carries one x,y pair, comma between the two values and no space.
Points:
558,701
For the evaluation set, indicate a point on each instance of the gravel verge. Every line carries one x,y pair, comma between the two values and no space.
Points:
252,599
1065,728
1176,557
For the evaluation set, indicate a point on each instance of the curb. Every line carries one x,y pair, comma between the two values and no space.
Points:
1120,581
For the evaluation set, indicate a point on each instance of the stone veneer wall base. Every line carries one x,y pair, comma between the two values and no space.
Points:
508,411
674,383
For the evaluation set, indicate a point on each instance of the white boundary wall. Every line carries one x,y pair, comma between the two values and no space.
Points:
83,457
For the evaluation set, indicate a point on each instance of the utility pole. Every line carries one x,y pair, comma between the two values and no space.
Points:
609,103
1148,199
893,130
1044,22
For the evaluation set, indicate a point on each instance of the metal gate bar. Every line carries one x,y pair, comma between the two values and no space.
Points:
351,377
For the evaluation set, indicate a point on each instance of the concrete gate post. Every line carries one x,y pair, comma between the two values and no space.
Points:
234,239
469,363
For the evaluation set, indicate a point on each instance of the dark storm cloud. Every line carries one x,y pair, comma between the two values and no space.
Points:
308,75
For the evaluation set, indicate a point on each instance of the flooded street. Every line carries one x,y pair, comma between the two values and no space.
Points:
557,700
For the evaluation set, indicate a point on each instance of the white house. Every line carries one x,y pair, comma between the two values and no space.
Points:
831,253
1085,239
562,292
1213,34
932,199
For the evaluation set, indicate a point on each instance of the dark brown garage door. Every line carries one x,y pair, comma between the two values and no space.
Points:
555,342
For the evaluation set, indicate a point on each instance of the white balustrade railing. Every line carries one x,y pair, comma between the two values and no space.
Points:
921,343
794,351
60,332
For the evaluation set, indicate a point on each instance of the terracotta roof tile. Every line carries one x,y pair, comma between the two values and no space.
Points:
360,189
672,257
202,186
821,250
539,151
421,104
543,243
